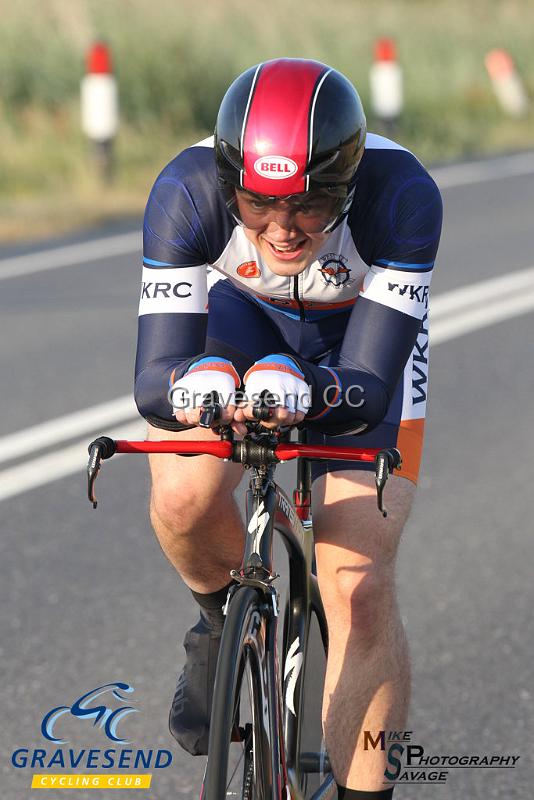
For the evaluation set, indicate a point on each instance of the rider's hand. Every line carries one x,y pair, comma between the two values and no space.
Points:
207,375
281,377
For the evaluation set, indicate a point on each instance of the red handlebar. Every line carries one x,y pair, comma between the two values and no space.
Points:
222,449
249,453
219,449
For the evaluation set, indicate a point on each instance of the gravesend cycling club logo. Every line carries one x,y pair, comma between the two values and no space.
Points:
409,763
105,709
334,270
83,709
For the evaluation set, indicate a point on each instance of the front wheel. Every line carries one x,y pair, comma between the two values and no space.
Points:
240,752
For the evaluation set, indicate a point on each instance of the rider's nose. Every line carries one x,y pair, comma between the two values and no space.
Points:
282,225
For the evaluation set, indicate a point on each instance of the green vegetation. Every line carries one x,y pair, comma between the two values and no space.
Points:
175,58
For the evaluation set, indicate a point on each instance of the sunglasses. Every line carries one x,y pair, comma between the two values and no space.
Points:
311,212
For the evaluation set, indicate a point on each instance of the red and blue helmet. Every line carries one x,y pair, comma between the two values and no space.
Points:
290,126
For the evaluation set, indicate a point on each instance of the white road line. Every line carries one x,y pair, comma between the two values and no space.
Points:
71,254
493,169
70,426
479,306
52,467
446,177
443,330
477,293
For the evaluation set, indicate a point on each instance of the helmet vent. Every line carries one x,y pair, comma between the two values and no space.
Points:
232,155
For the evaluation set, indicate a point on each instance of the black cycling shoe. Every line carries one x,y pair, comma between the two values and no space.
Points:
190,712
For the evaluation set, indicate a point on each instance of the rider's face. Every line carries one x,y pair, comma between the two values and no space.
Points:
286,231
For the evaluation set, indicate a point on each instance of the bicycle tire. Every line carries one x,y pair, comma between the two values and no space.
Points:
317,762
240,654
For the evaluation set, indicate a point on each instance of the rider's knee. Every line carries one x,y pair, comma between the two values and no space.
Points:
185,498
178,505
358,604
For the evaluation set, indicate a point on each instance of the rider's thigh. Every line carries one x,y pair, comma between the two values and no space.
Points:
191,484
355,545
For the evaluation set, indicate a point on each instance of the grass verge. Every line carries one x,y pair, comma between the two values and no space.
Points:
174,61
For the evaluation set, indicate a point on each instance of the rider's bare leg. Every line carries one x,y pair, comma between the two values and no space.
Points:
367,683
194,514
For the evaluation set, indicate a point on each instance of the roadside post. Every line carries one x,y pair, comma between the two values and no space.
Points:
386,85
507,83
100,108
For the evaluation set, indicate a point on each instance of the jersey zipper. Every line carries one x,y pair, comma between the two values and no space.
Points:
297,298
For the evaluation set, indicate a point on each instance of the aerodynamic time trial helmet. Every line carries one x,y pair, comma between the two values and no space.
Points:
288,127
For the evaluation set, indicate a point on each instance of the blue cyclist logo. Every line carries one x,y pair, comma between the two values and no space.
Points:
107,717
334,270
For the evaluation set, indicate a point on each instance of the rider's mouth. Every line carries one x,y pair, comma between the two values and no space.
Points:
287,252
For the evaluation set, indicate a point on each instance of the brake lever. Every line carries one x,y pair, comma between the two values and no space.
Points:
211,410
385,462
99,450
263,410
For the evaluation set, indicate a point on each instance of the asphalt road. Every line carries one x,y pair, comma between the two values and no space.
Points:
87,598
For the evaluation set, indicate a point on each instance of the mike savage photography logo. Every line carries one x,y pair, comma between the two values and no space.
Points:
107,708
410,763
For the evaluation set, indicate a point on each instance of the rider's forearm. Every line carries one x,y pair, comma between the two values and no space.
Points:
165,344
358,388
152,388
344,400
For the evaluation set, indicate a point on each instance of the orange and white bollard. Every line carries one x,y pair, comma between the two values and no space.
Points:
507,83
100,107
386,84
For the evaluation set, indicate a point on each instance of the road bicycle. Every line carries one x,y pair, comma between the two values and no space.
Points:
256,724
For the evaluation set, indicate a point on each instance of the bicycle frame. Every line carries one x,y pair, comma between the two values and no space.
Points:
268,509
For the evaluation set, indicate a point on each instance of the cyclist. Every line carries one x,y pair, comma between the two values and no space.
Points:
292,253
